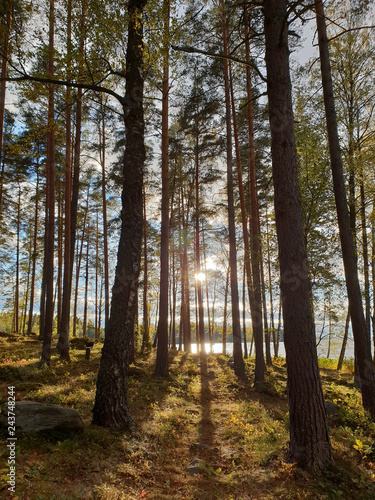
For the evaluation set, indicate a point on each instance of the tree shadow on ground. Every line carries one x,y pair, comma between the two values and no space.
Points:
206,425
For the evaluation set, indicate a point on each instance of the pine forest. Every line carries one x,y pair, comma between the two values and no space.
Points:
187,249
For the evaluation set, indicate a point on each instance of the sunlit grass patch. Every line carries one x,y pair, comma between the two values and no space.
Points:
170,425
331,364
256,431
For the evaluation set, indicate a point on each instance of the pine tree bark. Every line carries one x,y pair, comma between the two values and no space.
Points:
161,364
174,300
85,304
373,270
260,367
111,405
186,281
200,314
146,330
59,250
244,335
239,365
64,320
78,266
42,306
366,266
96,274
259,373
207,294
50,203
104,201
362,346
4,66
272,321
344,342
27,291
309,439
17,287
34,253
76,172
225,310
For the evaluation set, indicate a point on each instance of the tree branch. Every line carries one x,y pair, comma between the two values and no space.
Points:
194,50
65,83
350,29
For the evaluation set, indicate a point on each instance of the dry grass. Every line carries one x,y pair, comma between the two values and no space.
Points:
201,411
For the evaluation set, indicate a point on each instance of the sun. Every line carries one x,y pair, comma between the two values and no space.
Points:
200,276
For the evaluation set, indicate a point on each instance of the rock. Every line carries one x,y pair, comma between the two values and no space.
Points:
192,412
197,466
32,416
265,387
332,409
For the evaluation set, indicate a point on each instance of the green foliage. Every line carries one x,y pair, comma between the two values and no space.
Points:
353,415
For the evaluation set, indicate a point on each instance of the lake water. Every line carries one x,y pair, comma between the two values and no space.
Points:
322,349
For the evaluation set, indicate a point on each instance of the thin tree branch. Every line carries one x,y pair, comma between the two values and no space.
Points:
194,50
349,30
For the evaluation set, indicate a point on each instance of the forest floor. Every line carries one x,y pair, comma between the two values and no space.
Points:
201,411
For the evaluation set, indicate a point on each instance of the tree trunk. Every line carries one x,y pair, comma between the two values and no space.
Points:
309,439
100,307
254,227
247,260
59,223
270,288
161,364
34,252
78,267
111,405
4,65
244,315
362,347
185,273
239,366
105,225
17,287
181,333
344,342
42,306
64,320
225,312
146,330
373,270
174,299
96,274
85,306
207,294
329,325
365,262
50,202
267,333
76,173
198,282
278,331
27,290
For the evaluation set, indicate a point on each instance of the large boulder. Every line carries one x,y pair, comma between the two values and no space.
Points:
32,416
